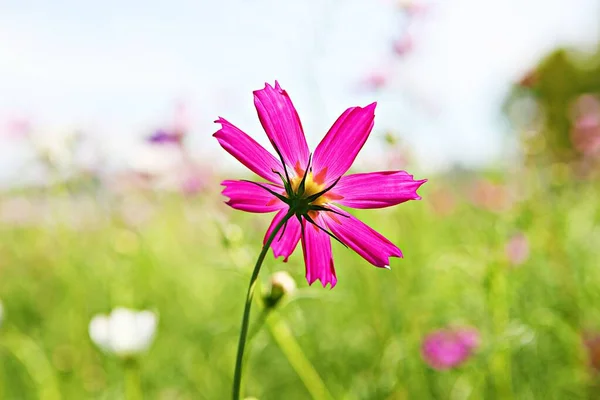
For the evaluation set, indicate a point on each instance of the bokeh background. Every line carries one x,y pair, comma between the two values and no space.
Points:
110,197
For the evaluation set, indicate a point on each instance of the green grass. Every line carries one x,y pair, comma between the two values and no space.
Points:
363,338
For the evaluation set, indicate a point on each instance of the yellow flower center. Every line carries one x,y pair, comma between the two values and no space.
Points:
310,187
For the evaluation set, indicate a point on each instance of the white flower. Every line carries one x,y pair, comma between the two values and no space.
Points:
57,146
124,332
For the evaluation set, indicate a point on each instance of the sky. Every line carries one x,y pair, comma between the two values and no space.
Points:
116,68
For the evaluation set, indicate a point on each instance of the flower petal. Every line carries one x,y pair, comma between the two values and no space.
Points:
98,330
316,246
247,196
376,189
371,245
338,149
284,245
282,124
248,151
145,325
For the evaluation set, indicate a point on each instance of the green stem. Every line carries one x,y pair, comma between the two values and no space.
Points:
293,352
34,360
500,359
133,386
237,377
258,323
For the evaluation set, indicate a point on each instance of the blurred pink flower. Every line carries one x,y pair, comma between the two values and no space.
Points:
17,127
395,158
307,186
585,132
491,196
528,80
517,249
403,45
443,201
192,184
450,347
375,80
591,342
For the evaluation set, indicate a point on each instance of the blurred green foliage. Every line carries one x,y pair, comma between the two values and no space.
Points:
189,260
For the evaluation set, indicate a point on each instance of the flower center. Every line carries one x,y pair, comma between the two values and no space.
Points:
311,187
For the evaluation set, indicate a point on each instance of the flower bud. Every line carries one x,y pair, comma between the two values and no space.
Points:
281,284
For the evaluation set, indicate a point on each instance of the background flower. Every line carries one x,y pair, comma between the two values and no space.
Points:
449,347
517,249
123,332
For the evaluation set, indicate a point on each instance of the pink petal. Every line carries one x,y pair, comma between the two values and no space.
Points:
469,337
376,189
247,151
282,124
338,149
284,245
371,245
249,197
316,246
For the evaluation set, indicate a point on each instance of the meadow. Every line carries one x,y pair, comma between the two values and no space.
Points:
75,253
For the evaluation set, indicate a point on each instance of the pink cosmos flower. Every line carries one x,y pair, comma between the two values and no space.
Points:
591,341
314,184
517,249
403,45
448,348
491,196
585,133
375,80
17,127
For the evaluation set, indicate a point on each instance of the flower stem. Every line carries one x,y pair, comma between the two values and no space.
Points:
296,357
237,377
133,386
258,323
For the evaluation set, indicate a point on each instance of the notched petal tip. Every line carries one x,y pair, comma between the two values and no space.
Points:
266,88
419,184
324,283
386,265
221,121
277,255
